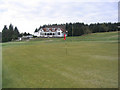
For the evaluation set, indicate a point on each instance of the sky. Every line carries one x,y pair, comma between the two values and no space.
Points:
28,15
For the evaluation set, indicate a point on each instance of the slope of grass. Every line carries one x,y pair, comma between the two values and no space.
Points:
103,37
46,64
106,36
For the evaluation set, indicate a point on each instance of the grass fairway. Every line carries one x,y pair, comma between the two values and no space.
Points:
91,62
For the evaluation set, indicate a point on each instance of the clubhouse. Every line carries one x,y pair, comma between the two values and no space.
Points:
51,32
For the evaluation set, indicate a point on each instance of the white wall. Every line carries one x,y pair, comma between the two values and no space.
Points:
38,34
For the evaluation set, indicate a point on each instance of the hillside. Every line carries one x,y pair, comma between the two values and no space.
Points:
101,37
106,36
89,61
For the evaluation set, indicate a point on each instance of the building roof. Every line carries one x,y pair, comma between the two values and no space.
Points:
52,29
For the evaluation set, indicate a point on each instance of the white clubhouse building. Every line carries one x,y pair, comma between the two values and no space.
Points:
50,32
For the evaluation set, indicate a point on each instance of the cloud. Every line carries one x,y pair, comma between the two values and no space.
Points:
28,15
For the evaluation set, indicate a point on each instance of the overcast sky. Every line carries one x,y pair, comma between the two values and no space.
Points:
30,14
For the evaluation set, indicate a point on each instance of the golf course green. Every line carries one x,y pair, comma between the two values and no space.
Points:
88,61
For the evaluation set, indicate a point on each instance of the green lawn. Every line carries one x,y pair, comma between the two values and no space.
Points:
91,61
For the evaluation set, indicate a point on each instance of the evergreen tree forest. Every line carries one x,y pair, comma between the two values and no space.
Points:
9,34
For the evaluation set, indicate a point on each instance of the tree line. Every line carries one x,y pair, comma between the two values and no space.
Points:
78,29
10,33
74,29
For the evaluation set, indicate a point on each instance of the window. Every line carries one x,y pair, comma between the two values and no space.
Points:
58,33
53,29
40,33
53,33
59,29
47,29
45,33
50,33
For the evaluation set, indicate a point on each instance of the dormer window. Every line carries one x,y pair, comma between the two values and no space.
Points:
47,29
53,29
59,29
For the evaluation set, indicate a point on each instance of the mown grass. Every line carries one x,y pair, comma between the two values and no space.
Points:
44,63
0,65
